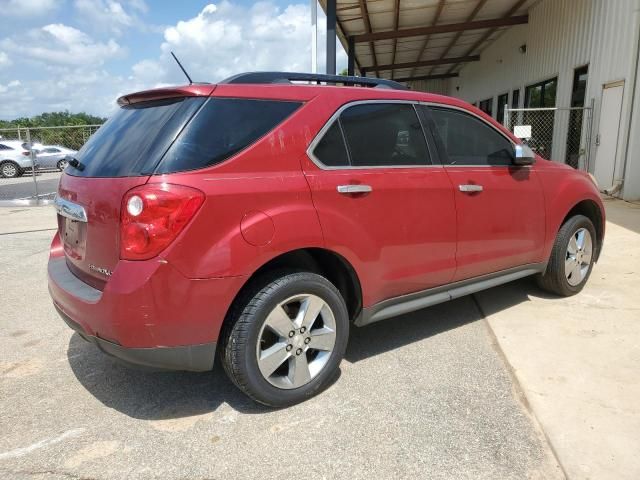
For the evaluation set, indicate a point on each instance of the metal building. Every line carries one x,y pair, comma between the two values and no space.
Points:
562,74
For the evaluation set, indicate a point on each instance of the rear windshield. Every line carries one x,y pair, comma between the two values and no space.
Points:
134,139
176,135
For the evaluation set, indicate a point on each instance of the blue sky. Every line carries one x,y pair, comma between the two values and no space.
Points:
80,55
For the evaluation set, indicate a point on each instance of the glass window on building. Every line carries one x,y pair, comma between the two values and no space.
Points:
502,102
574,135
486,106
515,98
541,95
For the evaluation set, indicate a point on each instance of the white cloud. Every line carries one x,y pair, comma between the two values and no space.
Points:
225,39
27,8
10,85
59,44
112,16
63,67
67,64
5,61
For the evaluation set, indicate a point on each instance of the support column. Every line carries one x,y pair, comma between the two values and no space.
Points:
331,37
351,57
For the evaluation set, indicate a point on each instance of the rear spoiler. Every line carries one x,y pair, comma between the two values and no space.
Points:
195,90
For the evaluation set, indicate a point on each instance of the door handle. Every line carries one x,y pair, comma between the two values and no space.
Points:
353,188
470,188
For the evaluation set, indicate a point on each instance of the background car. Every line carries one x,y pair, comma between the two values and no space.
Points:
53,156
14,159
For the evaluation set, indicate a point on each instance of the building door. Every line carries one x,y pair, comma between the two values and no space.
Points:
607,138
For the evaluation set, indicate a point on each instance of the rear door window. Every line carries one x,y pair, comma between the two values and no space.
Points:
384,135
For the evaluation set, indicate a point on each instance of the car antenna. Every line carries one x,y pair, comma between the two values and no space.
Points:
182,68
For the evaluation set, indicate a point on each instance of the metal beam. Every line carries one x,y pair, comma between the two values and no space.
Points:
489,32
427,77
367,28
351,57
429,63
457,36
331,37
396,24
449,28
436,17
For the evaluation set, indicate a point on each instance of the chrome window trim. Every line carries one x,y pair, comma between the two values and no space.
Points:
475,115
320,135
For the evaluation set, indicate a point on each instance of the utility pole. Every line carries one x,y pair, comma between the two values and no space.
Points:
314,36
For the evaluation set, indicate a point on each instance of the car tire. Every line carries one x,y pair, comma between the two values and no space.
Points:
62,164
9,169
251,346
571,262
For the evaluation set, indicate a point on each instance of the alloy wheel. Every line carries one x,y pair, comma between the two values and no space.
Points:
9,170
296,341
578,257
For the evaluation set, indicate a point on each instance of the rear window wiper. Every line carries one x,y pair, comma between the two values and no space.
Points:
74,162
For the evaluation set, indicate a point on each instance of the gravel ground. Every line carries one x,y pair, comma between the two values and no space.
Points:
425,395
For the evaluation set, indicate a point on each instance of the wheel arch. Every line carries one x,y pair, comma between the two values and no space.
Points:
331,265
590,209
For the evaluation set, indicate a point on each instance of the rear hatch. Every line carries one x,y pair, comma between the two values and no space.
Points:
121,155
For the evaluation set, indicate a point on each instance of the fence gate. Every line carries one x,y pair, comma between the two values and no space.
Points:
560,134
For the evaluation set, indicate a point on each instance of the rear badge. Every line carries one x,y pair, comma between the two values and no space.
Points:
101,270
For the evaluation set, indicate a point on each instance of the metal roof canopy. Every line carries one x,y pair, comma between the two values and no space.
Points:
408,40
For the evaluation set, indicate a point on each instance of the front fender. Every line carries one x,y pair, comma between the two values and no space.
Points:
564,189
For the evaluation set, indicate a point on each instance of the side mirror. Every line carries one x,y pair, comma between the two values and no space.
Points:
524,155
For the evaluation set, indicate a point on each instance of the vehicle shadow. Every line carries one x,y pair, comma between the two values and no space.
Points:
152,395
397,332
166,395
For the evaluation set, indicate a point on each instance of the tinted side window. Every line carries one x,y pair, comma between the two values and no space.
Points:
134,139
384,134
4,147
469,141
331,150
222,128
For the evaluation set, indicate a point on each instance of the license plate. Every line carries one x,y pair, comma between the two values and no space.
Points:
74,238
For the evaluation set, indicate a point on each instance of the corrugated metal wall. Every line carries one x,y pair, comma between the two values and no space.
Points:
440,86
561,36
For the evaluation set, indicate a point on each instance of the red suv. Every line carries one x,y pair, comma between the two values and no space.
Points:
262,218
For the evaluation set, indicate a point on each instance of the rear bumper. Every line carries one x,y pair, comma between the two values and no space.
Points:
148,313
194,358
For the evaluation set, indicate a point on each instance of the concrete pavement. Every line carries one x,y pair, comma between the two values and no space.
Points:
441,393
578,359
424,395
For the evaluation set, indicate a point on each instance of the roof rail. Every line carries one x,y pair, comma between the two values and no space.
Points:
288,77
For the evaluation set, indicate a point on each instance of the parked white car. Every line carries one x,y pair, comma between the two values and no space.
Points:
53,156
14,159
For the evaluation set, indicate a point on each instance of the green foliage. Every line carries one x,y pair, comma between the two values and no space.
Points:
53,119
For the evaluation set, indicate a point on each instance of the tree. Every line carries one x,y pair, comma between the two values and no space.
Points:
53,119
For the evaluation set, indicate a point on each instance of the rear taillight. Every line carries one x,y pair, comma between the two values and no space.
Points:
152,216
26,154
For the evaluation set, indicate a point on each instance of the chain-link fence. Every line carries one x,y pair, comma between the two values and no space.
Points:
560,134
46,149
